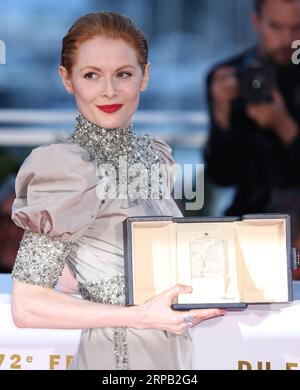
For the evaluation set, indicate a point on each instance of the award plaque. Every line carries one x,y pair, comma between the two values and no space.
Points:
207,256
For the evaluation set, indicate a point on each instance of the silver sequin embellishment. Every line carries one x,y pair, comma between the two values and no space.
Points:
40,259
143,174
110,291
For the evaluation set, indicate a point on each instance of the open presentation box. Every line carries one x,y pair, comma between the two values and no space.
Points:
230,261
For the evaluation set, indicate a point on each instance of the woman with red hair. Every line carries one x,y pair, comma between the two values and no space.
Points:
72,213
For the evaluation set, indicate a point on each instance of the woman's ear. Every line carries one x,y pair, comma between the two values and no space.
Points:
145,77
65,79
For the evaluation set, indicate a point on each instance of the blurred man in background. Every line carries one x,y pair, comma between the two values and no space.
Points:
254,105
254,142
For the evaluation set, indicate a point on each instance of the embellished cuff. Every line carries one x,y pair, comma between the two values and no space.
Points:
40,260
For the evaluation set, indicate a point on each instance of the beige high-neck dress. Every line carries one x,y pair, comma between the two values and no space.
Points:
66,222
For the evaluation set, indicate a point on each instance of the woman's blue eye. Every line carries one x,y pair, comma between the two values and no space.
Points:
90,75
124,75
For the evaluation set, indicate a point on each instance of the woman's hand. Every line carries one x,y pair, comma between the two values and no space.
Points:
157,313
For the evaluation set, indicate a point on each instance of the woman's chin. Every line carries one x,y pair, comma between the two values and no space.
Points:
105,120
111,122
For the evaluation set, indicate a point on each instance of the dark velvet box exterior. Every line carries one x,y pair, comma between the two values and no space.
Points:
128,255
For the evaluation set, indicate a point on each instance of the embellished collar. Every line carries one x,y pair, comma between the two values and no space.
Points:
100,141
116,145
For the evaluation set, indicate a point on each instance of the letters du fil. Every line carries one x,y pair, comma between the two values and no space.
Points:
245,365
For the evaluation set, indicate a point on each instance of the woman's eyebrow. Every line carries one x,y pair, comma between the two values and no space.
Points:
98,69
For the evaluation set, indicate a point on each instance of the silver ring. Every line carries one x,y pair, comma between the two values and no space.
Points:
189,320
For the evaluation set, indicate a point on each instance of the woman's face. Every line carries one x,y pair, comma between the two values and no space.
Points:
106,81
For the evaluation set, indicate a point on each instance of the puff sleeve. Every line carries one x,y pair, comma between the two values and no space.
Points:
169,167
56,201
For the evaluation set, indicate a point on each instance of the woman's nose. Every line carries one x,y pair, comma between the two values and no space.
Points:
108,88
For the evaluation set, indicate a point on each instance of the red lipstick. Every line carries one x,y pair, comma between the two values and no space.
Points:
110,108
